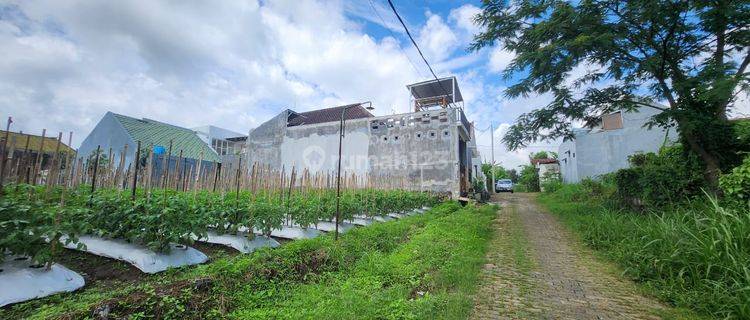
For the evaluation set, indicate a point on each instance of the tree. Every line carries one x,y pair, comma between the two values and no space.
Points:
693,54
513,175
529,178
544,155
500,172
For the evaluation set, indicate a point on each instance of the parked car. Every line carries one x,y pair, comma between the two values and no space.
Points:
504,185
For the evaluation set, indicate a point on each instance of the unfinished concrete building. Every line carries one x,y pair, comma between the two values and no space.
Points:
432,147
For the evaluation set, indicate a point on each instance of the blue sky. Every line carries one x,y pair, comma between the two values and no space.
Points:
235,64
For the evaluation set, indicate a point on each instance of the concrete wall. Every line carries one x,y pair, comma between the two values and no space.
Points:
596,152
422,147
263,142
108,133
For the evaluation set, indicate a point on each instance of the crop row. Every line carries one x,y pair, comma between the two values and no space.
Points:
32,216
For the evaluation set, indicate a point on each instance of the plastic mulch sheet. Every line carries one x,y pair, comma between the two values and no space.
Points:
396,215
328,226
20,280
240,241
293,233
382,218
139,256
360,221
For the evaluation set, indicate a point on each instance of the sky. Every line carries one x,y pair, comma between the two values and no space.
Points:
235,64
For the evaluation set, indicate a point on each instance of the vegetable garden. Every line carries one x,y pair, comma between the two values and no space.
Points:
159,203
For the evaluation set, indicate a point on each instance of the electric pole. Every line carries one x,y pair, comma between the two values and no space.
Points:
492,171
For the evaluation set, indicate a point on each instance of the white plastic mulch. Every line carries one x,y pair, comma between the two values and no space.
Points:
293,233
328,226
396,215
240,241
361,221
141,257
20,280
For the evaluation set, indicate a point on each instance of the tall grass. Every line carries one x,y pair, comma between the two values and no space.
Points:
695,256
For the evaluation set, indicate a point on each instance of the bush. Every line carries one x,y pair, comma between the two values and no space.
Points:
528,180
656,180
736,185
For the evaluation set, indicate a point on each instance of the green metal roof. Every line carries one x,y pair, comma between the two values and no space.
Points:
159,134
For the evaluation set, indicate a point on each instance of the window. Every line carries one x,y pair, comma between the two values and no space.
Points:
385,138
395,138
574,154
612,121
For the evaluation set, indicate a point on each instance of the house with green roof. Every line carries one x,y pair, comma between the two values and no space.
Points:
115,131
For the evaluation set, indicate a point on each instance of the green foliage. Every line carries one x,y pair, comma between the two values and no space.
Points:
643,51
29,215
423,266
694,256
660,179
736,185
477,185
528,180
500,173
551,182
544,155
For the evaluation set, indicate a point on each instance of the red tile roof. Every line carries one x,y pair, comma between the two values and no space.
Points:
355,111
543,161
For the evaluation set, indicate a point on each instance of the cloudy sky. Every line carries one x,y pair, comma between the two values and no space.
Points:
234,64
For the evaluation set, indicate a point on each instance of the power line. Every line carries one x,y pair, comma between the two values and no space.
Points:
416,46
385,25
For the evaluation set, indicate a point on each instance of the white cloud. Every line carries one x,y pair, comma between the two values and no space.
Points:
500,59
232,64
463,17
436,39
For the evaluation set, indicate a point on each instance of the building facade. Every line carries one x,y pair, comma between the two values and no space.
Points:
115,131
431,148
606,148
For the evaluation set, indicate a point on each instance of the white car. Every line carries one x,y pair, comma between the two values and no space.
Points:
504,185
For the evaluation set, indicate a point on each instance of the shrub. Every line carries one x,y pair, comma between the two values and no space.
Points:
736,185
528,180
656,180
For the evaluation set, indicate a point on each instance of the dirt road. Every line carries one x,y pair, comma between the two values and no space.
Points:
536,269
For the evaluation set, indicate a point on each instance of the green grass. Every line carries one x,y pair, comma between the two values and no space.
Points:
696,256
420,267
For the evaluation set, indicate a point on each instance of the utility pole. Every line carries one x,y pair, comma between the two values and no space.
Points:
492,171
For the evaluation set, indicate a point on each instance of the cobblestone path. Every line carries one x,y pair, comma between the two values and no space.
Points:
536,269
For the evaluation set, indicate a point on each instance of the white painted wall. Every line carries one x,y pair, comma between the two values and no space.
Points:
320,152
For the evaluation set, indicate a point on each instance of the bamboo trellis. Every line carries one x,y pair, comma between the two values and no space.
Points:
113,169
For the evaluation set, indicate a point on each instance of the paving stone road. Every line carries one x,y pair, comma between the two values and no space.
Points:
536,269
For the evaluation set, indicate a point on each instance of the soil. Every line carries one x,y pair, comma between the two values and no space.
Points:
537,269
214,251
95,268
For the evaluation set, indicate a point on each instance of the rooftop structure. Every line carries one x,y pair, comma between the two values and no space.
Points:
18,141
354,111
443,92
115,131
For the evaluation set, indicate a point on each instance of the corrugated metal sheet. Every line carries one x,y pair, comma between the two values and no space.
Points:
159,134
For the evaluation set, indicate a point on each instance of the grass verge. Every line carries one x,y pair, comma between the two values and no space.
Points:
694,257
423,266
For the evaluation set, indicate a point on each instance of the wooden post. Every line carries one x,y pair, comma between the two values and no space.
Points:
5,153
39,157
93,180
137,164
166,166
26,158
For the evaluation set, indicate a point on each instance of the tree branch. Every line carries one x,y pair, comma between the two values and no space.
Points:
743,66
